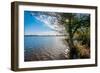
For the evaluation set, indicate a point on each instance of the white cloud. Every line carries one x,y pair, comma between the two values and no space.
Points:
49,20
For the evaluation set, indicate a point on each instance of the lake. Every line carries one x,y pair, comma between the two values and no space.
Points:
40,48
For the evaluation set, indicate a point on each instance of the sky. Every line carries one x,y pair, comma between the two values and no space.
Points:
43,23
38,23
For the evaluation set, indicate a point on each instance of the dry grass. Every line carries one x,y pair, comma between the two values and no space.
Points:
83,51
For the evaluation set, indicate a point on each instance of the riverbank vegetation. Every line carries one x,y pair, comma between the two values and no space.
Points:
78,28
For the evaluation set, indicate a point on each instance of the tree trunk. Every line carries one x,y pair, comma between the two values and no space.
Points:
73,51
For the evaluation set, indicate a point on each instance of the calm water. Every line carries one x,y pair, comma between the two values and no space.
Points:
44,47
38,42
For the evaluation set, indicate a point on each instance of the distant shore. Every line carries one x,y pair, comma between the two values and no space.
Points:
44,35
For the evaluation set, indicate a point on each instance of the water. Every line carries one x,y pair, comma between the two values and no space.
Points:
45,48
38,42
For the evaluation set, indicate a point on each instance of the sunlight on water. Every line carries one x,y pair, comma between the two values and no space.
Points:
52,46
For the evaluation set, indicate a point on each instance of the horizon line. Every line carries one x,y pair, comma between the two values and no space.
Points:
45,35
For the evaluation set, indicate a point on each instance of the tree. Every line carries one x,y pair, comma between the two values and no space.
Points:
73,23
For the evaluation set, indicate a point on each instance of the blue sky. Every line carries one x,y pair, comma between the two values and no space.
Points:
43,23
32,25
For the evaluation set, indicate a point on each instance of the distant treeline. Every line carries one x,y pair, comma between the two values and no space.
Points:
44,35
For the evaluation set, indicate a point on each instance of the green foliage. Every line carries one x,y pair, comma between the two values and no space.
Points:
78,26
84,36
